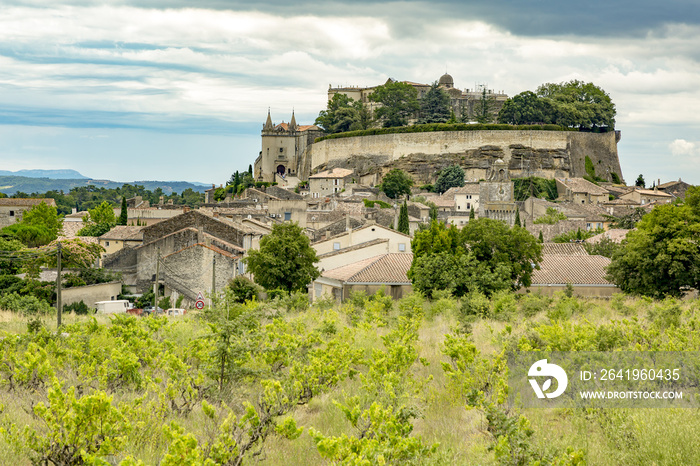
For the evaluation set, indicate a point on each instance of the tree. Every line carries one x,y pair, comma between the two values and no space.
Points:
580,104
484,107
123,215
396,183
340,114
471,213
551,217
502,249
661,256
403,226
640,181
285,259
399,102
98,221
435,105
449,177
45,216
517,217
526,108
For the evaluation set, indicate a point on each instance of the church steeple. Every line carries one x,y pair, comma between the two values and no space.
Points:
293,123
268,124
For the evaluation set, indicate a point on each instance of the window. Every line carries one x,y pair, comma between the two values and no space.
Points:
106,244
336,246
318,289
402,247
336,182
281,149
12,213
287,216
469,206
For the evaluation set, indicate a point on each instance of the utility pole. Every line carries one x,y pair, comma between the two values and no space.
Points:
156,287
213,278
58,287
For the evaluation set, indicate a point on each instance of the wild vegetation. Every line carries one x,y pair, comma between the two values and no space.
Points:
371,381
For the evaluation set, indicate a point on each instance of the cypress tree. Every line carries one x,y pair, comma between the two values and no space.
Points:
541,238
123,216
403,226
250,169
517,217
471,214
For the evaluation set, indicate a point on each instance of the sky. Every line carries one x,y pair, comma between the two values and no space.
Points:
164,90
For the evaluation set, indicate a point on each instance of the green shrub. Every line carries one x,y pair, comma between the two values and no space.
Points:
25,305
474,304
504,305
243,289
79,308
534,303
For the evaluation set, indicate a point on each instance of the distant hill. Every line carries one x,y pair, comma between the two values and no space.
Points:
10,184
53,174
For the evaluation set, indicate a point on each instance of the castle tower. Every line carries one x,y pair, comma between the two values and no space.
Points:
282,147
496,198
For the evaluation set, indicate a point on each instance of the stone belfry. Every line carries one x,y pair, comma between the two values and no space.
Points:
496,198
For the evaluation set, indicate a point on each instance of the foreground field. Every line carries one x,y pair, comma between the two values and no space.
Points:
369,382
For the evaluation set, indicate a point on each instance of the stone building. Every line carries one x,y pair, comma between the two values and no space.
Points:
496,199
580,191
11,209
329,182
282,148
466,103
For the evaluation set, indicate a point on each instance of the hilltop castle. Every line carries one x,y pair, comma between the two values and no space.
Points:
290,154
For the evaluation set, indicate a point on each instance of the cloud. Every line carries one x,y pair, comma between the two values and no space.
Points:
683,147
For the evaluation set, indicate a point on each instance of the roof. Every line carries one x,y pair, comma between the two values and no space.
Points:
672,183
300,128
386,268
468,188
579,185
651,192
563,249
577,270
355,247
615,234
26,201
369,225
124,233
334,173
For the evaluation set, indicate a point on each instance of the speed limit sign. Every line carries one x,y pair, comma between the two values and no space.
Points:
199,304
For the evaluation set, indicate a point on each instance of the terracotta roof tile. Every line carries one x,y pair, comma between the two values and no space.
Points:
566,249
334,173
386,268
124,233
579,185
26,201
577,270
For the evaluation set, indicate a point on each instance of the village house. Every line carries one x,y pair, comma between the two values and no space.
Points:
121,236
329,182
11,209
388,271
647,196
580,191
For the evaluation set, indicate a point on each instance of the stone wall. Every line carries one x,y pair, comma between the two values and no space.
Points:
546,154
198,221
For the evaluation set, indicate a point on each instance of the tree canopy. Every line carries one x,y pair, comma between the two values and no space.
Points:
39,226
486,256
396,183
98,221
399,102
449,177
662,256
285,259
571,104
343,114
435,105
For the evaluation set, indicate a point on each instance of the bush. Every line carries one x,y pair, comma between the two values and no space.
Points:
25,305
534,303
243,289
504,305
474,304
79,308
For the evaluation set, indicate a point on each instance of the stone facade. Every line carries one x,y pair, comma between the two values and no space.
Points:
90,294
282,148
11,209
496,195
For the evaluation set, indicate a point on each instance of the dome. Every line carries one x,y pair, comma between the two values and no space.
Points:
446,80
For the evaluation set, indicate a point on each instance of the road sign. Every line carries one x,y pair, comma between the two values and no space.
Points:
199,304
200,296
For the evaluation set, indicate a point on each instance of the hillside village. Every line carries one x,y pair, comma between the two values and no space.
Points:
335,190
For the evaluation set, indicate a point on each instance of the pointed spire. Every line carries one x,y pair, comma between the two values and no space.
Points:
268,123
293,123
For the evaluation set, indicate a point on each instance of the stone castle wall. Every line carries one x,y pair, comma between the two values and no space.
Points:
546,154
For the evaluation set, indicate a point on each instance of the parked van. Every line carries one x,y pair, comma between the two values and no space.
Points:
113,307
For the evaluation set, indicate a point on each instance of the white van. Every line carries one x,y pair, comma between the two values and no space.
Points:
118,306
